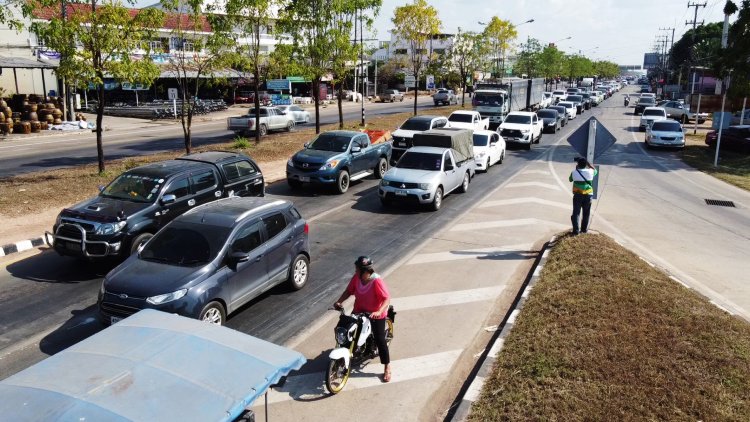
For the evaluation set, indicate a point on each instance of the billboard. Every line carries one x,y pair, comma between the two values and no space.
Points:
652,60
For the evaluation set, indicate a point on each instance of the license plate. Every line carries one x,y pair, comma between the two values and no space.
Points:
402,144
304,179
115,320
401,192
72,246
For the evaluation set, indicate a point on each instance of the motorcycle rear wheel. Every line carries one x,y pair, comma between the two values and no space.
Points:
337,375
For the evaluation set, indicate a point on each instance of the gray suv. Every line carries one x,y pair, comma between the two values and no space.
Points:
210,261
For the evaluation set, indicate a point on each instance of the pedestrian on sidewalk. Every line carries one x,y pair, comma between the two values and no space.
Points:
371,297
583,189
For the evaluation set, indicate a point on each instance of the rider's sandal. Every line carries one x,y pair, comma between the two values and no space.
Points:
387,375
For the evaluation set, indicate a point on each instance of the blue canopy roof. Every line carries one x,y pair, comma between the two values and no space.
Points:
150,366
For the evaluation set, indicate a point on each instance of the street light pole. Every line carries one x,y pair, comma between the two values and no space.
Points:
361,73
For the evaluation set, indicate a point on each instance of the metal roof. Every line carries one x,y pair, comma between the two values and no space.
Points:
24,63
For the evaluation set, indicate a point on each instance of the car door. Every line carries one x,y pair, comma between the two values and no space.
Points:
278,231
496,149
205,187
247,280
370,152
451,172
179,187
243,179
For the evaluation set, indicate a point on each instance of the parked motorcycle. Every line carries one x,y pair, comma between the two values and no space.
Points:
354,344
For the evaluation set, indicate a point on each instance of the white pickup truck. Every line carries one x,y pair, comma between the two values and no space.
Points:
271,118
522,127
466,119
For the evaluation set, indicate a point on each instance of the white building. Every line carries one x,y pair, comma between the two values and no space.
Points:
439,44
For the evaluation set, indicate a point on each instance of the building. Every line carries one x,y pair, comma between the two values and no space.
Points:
438,44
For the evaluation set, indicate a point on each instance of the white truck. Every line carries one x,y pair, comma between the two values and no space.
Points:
402,137
467,119
271,118
522,127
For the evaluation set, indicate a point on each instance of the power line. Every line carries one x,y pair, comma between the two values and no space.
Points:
694,22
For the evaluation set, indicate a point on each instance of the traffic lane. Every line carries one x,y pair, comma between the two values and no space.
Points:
342,227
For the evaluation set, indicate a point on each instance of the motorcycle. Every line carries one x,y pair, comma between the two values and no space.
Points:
627,101
355,344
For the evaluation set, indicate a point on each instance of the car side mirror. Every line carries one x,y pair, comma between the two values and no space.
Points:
168,199
235,258
356,149
306,144
448,167
101,188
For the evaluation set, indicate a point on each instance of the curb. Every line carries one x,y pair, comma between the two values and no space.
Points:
472,388
21,246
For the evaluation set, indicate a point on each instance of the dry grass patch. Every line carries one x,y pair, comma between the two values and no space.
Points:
32,192
605,337
734,167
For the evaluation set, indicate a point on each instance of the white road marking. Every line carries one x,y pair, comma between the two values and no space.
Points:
525,200
479,253
506,223
455,297
545,172
533,184
309,386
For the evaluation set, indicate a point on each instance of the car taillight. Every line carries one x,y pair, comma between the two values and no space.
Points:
307,229
250,122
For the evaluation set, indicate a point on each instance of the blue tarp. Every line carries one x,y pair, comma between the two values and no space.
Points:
152,366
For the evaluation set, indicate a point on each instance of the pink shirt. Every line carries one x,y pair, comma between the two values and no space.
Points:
368,297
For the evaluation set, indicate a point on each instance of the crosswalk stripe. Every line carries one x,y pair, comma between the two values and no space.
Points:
525,200
455,297
478,253
536,172
505,223
533,184
310,386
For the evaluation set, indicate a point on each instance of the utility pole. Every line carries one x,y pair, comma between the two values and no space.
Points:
695,23
361,58
667,61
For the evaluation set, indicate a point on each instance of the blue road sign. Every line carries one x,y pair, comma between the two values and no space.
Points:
579,139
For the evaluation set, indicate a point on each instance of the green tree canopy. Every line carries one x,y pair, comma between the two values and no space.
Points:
500,33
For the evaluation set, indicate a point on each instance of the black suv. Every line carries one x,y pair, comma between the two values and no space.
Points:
142,200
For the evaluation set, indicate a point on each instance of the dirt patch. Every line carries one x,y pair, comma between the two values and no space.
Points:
604,336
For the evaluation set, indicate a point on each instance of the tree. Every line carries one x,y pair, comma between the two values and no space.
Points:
467,55
107,33
697,47
415,24
500,34
247,17
606,69
576,66
13,12
527,60
201,45
551,62
738,50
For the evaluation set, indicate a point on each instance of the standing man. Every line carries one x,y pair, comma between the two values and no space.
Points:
583,189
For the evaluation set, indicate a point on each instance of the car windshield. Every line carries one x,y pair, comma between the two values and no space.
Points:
566,104
666,127
185,244
558,93
488,99
416,124
263,112
653,113
330,142
481,140
460,117
574,98
442,91
646,100
420,161
546,113
558,109
134,187
517,118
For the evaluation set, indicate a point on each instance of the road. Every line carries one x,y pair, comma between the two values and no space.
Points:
63,150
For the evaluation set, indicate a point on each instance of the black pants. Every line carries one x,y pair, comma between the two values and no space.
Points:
378,333
581,202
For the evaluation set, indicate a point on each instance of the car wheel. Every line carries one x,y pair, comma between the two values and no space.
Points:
488,165
139,240
294,184
502,157
437,201
298,272
289,126
213,313
402,99
342,181
465,183
263,130
307,119
436,104
528,146
539,138
381,168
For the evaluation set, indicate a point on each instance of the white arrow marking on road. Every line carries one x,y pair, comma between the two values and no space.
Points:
524,200
505,223
310,386
479,253
533,184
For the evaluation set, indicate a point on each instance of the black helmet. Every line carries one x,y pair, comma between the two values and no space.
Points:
363,263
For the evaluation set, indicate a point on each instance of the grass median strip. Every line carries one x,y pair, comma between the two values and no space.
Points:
604,336
733,168
33,192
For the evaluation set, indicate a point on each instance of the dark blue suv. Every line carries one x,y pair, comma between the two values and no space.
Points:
210,261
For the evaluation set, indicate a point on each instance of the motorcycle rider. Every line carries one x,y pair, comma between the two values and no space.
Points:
372,298
627,100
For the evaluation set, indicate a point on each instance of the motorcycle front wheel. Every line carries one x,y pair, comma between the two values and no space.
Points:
337,375
388,331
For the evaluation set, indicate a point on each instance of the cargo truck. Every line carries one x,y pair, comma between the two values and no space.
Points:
496,100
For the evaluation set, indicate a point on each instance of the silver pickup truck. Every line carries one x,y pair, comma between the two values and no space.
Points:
441,161
271,118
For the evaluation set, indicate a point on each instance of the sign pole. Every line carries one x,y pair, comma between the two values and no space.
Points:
592,141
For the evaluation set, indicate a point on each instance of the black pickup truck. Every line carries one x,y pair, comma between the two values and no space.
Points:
133,207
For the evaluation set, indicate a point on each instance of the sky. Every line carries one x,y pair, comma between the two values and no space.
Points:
615,30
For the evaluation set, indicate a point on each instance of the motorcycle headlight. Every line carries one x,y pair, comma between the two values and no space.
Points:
341,336
425,186
110,228
330,165
160,299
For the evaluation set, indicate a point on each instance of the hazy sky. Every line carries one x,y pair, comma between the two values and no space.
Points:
621,29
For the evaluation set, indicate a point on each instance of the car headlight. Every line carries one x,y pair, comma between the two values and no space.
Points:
160,299
551,123
110,228
525,131
425,186
290,162
58,220
329,165
383,182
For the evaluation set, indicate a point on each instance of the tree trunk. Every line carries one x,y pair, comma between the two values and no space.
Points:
316,99
257,105
463,89
184,121
416,91
339,100
99,119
